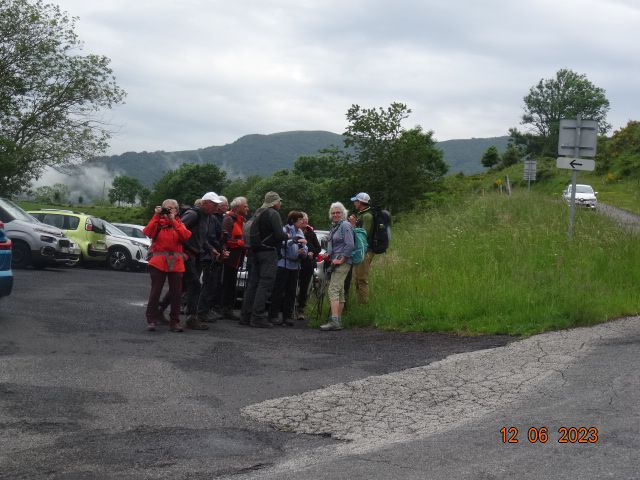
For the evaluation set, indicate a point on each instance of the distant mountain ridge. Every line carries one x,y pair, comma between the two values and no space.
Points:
264,154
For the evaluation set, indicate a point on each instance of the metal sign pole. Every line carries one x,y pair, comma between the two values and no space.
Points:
574,175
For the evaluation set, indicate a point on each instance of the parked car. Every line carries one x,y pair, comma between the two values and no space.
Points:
6,275
132,230
33,242
125,251
87,231
585,196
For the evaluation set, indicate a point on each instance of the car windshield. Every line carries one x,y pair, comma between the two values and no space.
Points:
584,189
10,211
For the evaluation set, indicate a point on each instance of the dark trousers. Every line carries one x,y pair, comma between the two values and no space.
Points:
283,298
192,286
175,291
262,269
304,278
229,280
210,292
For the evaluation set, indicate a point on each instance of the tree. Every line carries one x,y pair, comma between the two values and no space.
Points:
565,96
395,166
188,183
125,189
49,93
511,155
297,193
57,194
491,157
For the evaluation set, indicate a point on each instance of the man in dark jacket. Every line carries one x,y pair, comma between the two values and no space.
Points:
211,291
263,262
197,220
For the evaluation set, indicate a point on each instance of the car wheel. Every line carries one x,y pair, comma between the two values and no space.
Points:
118,259
20,254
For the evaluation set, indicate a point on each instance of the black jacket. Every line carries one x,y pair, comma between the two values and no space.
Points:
270,227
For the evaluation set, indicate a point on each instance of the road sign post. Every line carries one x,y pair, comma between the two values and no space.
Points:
577,138
529,172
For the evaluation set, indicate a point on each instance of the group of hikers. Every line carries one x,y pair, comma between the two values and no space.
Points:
199,250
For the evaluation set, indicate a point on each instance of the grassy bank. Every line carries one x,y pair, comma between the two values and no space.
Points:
500,264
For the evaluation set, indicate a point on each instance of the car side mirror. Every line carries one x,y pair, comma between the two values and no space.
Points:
595,193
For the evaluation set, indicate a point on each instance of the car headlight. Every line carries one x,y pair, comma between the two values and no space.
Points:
46,238
138,244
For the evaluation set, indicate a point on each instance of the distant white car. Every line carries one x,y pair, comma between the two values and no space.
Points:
585,196
132,230
125,251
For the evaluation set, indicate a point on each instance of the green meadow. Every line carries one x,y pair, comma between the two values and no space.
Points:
499,264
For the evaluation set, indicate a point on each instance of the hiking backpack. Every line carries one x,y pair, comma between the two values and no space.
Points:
360,245
251,230
380,234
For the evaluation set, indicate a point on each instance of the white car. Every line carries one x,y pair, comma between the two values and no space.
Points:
585,196
125,251
133,230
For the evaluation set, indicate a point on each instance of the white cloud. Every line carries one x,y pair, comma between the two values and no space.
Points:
205,72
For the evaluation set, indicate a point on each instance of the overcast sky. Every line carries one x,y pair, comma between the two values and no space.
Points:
206,72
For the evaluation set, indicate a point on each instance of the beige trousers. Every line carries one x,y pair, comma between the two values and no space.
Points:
361,278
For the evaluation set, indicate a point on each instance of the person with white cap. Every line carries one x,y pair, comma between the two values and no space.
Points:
197,220
363,218
262,261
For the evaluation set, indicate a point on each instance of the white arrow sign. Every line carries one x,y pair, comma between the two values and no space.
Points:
576,163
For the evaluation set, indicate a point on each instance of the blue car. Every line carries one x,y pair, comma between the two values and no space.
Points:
6,275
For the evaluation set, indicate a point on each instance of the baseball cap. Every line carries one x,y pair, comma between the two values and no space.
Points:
212,197
363,197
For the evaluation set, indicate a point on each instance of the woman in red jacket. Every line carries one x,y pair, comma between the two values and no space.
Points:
167,261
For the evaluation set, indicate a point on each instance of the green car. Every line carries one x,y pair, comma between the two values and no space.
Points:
87,231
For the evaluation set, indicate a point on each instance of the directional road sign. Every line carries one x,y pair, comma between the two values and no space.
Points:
576,163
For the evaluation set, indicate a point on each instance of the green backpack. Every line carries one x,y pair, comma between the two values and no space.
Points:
361,245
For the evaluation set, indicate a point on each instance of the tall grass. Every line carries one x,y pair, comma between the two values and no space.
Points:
502,265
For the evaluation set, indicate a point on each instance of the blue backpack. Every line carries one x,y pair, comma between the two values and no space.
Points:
360,249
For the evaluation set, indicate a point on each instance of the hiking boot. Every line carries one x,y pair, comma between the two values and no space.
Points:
333,324
214,316
151,327
194,323
176,327
229,314
261,324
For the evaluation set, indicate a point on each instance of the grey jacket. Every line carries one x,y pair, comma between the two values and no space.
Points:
341,241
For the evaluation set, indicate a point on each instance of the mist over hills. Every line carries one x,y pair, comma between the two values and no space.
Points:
264,154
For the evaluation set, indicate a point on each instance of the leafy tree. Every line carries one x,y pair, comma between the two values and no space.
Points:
49,93
491,157
298,193
565,96
57,194
511,155
329,163
395,166
125,189
188,183
241,187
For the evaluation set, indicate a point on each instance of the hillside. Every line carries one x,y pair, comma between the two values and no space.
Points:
264,154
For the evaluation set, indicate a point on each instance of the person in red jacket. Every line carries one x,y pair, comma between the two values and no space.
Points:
166,261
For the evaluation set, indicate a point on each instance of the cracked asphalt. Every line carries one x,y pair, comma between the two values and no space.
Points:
86,392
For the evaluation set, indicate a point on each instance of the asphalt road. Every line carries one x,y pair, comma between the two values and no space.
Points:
87,393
